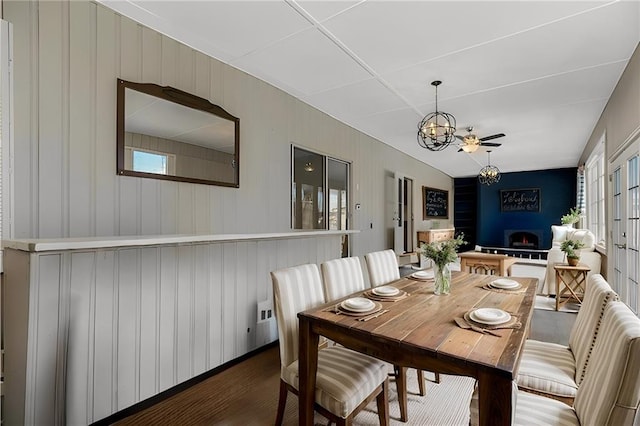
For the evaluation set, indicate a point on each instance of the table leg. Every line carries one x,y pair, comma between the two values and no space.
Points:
494,400
401,387
558,280
307,365
463,265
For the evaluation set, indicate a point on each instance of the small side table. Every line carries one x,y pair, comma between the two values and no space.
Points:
573,280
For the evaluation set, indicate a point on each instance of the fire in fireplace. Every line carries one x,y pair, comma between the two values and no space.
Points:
523,239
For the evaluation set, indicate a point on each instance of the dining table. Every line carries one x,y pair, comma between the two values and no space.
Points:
424,331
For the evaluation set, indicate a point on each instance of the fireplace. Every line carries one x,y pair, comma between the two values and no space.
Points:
522,239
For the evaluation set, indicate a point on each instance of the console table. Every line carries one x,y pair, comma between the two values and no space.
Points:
492,264
433,235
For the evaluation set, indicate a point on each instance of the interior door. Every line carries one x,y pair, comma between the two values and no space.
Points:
625,225
409,231
399,214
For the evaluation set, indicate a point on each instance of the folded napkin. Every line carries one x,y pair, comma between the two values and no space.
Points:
463,324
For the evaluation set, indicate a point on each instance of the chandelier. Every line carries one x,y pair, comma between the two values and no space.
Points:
436,130
489,174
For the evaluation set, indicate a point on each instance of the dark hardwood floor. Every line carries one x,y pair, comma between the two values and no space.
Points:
245,394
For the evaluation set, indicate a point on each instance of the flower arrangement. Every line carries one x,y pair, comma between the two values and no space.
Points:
570,247
442,253
572,217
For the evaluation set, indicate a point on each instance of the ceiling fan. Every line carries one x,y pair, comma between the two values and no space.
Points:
471,142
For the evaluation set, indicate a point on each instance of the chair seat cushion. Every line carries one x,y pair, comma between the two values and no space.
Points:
530,410
344,378
548,368
534,409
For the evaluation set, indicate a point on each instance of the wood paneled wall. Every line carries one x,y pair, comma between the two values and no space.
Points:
93,332
67,57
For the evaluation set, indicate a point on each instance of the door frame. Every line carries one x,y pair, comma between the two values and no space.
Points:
617,245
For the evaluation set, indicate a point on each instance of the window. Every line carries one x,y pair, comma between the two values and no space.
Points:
319,191
595,202
147,161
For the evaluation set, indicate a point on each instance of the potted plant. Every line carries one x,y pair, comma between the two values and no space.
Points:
570,248
572,217
442,253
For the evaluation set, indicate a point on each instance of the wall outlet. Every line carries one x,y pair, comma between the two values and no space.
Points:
266,327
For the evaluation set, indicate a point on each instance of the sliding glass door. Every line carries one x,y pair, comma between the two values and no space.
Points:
319,191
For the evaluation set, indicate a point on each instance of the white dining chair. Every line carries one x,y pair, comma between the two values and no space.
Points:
342,277
557,370
346,381
383,268
609,394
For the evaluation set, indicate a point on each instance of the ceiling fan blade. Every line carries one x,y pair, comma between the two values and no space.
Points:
496,136
490,144
459,137
460,150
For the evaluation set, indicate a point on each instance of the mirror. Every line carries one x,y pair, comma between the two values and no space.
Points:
165,133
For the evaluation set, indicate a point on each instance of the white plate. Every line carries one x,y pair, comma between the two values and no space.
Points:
490,316
385,290
423,275
358,304
504,283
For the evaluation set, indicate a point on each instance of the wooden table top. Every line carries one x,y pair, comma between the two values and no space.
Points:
566,267
420,331
481,255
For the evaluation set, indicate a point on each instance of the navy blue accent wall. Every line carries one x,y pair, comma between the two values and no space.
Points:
557,196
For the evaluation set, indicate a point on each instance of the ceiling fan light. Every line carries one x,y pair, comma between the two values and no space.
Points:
471,140
470,148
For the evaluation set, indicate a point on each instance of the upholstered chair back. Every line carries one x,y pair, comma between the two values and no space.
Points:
295,289
342,277
563,233
610,392
586,327
382,267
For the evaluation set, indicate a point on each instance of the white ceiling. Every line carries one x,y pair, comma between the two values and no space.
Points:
539,71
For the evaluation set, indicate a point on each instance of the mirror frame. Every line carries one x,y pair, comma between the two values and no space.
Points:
179,97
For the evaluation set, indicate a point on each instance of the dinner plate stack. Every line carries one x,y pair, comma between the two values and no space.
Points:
422,275
385,291
490,316
358,307
358,304
505,284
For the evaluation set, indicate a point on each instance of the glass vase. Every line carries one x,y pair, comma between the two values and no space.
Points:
442,278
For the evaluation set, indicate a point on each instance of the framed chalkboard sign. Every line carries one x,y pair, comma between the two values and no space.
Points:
435,203
520,200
